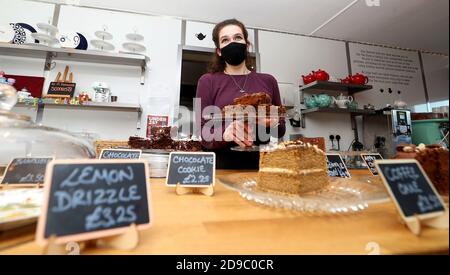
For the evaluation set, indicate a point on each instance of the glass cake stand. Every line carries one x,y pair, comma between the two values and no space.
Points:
341,196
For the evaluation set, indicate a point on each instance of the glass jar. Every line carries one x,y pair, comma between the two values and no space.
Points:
20,137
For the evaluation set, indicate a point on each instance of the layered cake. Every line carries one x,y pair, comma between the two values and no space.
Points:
160,138
434,161
292,167
255,104
319,141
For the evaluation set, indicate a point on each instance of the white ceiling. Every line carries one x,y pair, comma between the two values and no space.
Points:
416,24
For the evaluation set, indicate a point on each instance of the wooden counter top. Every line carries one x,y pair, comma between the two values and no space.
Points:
229,224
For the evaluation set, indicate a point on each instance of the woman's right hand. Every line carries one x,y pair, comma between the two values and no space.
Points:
239,132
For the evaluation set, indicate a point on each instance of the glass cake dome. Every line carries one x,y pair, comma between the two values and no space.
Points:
20,137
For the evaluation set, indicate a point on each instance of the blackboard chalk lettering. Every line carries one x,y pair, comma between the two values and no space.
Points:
120,155
401,173
65,200
193,169
105,217
193,160
89,175
101,218
409,188
428,203
30,161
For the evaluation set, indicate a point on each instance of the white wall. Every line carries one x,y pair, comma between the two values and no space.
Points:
436,76
388,68
158,95
287,57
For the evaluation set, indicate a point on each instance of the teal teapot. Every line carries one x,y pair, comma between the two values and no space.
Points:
323,100
310,102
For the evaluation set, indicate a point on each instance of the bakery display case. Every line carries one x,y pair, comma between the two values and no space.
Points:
20,137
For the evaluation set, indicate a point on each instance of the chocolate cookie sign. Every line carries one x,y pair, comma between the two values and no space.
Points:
191,169
91,199
120,154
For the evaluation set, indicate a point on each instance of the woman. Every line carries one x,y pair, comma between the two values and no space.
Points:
230,76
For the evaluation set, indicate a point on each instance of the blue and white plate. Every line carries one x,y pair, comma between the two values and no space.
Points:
23,33
83,44
69,40
28,28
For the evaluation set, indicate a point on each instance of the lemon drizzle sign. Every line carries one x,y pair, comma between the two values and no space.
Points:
92,199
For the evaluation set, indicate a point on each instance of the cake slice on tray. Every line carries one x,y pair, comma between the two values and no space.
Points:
292,167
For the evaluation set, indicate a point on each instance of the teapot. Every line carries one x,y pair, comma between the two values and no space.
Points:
323,100
359,79
23,94
308,78
352,105
321,75
341,101
347,80
310,102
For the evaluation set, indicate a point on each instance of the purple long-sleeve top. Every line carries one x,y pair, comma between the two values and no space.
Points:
219,89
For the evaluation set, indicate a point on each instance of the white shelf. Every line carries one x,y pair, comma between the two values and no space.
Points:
97,105
39,51
87,105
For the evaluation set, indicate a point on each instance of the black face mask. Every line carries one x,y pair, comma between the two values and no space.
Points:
234,53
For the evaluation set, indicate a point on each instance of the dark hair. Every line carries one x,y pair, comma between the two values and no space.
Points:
217,64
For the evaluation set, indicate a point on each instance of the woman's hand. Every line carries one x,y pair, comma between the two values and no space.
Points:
239,132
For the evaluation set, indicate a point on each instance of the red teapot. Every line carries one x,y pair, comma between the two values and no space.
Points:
359,79
308,79
321,75
347,80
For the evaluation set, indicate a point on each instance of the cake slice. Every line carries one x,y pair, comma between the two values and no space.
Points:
434,161
252,105
292,167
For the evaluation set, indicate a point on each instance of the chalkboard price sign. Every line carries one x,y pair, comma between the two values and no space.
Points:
336,166
369,159
26,171
120,154
91,199
62,89
191,169
409,187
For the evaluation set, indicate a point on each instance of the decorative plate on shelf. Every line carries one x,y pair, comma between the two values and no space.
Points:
102,45
20,36
23,33
69,40
134,47
341,196
29,30
83,44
